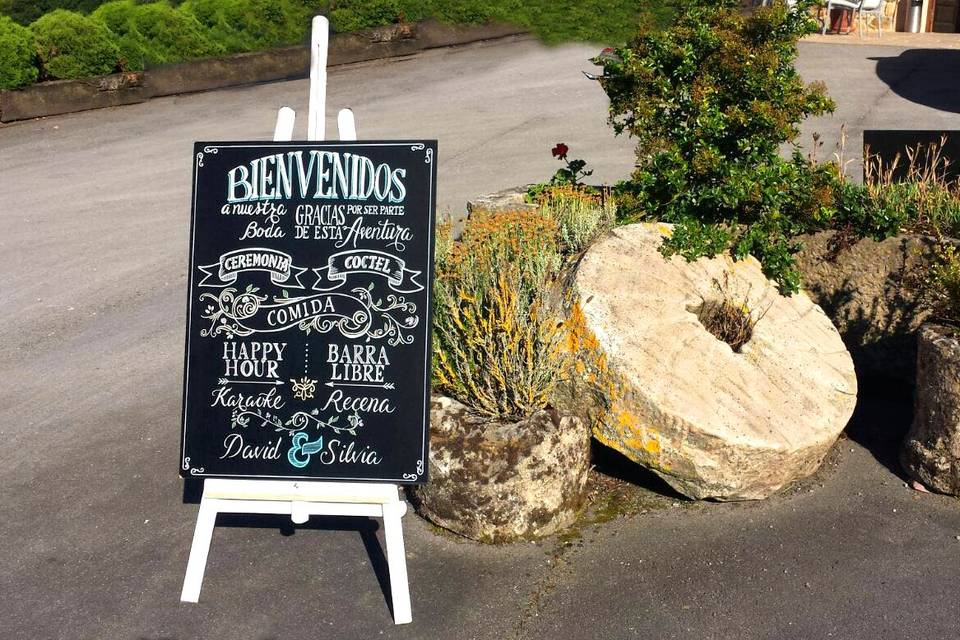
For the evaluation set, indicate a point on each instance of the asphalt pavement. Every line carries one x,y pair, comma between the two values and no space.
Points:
94,529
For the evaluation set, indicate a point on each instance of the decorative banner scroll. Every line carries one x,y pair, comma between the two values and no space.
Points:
278,264
366,261
353,315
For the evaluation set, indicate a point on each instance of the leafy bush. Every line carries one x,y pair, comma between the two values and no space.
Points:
710,100
70,45
17,55
606,21
354,15
155,33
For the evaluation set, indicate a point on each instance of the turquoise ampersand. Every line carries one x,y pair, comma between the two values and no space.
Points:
301,450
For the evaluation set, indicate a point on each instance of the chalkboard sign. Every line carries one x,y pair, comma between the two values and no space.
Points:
309,311
887,144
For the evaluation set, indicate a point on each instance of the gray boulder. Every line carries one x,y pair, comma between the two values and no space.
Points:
497,481
931,451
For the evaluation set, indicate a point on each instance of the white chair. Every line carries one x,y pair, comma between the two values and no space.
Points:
875,8
885,12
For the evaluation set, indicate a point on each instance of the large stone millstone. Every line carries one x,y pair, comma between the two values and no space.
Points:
713,423
497,481
931,451
868,290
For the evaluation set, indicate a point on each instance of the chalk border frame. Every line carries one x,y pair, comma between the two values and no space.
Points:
419,474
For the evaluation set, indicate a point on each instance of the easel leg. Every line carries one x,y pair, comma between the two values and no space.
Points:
206,519
397,561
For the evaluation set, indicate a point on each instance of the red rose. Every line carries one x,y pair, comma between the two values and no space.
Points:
560,151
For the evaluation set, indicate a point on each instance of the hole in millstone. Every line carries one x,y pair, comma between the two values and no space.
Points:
726,319
727,315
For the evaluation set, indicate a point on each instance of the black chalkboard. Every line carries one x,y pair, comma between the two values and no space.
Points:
309,311
887,144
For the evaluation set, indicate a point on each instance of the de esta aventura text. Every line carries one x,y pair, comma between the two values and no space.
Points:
321,175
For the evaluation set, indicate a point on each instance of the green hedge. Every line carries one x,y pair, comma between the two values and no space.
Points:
17,55
70,45
132,34
119,17
26,12
248,25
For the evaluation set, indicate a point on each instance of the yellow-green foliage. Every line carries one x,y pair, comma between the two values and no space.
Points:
943,285
521,242
580,216
497,353
495,348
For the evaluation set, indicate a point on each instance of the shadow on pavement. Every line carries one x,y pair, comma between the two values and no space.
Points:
924,76
610,462
366,527
881,420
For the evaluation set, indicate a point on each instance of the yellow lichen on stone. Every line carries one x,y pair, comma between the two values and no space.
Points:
653,446
614,425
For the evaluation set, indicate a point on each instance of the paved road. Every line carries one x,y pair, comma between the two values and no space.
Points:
94,532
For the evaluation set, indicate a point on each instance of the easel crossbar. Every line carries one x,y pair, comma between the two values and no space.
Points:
339,492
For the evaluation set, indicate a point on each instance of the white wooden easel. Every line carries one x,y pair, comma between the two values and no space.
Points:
303,499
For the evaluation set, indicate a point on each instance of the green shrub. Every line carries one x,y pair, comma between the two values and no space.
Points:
17,55
119,17
170,35
70,45
453,11
27,11
355,15
710,100
246,25
224,27
606,21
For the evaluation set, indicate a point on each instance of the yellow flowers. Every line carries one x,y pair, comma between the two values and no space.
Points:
495,348
500,347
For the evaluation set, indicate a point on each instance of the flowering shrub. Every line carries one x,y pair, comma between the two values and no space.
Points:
495,348
570,176
580,216
499,347
943,284
575,171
